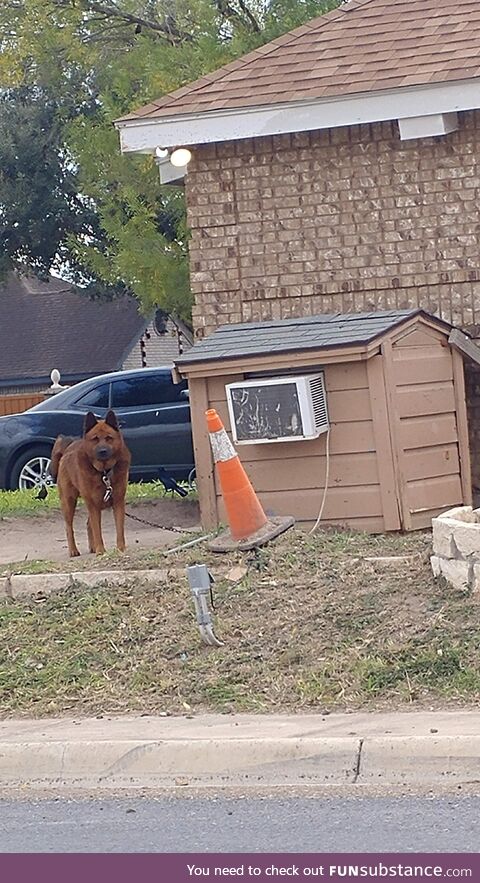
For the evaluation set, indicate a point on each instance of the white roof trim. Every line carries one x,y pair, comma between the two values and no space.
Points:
433,125
143,135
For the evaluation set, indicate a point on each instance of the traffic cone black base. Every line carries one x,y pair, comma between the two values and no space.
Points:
273,528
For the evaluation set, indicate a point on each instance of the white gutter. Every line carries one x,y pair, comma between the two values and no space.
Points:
143,135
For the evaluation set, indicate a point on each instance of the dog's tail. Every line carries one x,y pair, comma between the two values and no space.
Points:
59,448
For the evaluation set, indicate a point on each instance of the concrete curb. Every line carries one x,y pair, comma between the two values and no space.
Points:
420,760
169,763
22,585
242,750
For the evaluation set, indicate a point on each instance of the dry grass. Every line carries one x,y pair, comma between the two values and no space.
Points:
312,626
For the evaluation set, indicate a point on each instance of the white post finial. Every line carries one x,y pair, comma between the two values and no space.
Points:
56,385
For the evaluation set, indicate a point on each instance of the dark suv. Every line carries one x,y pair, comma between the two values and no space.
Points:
153,412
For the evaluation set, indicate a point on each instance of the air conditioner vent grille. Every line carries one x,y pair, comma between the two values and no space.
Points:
319,401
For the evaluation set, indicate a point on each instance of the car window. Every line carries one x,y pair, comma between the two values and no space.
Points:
156,389
95,398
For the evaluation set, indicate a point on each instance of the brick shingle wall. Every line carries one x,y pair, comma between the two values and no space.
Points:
347,219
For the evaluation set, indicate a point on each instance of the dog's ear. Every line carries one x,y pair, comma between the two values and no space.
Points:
89,422
111,420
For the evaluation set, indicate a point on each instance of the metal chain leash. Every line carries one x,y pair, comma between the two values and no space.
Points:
191,481
151,524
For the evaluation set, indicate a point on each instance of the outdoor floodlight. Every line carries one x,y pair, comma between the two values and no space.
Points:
180,157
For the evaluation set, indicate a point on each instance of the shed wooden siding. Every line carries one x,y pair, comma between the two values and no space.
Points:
17,403
426,405
290,476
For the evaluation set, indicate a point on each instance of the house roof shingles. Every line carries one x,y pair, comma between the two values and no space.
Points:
48,325
296,335
363,46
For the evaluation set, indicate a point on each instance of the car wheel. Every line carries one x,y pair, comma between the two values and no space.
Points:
192,479
31,470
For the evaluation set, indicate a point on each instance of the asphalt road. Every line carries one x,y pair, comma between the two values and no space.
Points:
408,824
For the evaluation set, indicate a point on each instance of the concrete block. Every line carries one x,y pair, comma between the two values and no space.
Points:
443,544
475,582
467,539
98,578
458,573
435,562
38,583
46,583
460,513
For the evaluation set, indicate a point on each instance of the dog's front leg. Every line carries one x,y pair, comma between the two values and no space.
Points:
95,522
118,503
119,515
91,547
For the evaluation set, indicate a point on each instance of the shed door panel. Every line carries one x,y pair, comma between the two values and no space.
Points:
427,427
433,363
425,432
426,398
432,462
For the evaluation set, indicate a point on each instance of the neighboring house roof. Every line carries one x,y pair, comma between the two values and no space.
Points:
49,325
296,335
363,46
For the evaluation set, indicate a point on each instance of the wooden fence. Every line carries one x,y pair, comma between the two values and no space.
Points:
20,402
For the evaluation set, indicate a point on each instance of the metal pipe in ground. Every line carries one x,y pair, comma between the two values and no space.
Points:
200,582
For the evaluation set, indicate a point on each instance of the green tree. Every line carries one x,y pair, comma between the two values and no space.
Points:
104,58
39,201
41,209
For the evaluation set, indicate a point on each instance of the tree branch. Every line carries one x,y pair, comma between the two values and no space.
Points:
249,14
229,12
167,29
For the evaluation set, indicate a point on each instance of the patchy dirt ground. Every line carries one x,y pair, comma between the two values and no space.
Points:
313,624
30,538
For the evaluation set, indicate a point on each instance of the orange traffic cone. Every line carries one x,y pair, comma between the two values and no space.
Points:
249,526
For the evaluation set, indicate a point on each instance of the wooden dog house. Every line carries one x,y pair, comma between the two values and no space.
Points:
398,441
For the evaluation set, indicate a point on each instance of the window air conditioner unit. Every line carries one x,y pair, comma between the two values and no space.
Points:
278,409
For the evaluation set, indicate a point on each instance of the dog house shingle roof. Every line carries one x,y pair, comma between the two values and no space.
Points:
295,335
363,46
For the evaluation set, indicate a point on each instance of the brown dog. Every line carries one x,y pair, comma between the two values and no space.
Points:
95,468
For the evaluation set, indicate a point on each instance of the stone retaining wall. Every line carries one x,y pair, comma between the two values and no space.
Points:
456,547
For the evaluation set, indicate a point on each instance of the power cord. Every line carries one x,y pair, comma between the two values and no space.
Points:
327,475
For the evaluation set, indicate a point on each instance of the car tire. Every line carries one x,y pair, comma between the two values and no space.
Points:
32,464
